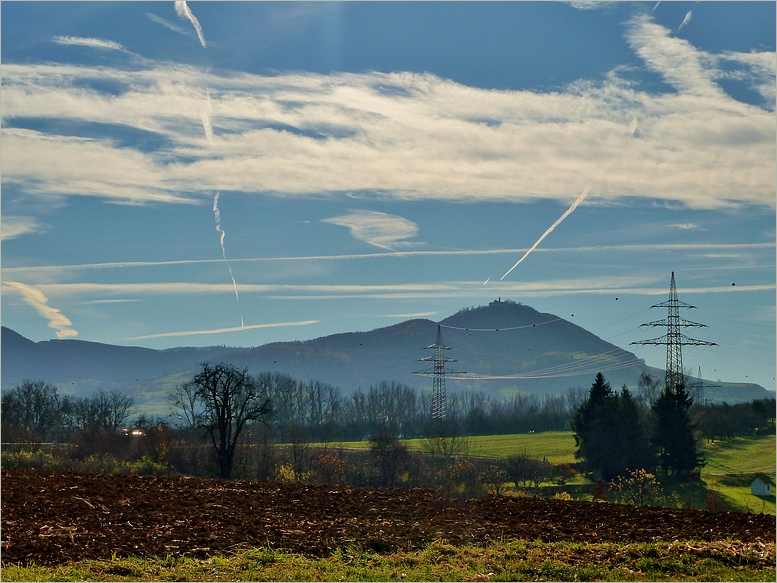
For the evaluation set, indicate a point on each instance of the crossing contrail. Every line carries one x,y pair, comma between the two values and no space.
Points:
182,9
217,215
550,230
206,123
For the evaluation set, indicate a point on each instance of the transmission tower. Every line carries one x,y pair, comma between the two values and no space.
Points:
438,372
698,390
673,339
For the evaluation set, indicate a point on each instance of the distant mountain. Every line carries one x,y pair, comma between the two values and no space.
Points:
503,338
542,352
93,364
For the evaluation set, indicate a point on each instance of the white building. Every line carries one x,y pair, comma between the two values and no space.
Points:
762,485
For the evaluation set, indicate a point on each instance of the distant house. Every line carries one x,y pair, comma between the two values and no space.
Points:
762,485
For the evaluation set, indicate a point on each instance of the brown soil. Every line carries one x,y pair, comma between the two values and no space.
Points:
54,517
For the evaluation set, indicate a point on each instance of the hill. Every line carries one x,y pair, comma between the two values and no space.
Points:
540,352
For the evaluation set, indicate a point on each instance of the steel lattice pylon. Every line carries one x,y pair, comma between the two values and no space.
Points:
438,372
674,339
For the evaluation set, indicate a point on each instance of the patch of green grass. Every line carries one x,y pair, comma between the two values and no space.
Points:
558,446
505,560
741,455
733,463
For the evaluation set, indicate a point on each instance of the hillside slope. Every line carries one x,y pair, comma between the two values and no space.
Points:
540,352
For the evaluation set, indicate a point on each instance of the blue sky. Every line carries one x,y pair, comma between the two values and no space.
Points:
371,162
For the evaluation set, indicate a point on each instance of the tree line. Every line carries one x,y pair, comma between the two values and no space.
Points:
226,422
659,431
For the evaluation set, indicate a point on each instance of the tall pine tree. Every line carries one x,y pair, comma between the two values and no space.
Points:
610,433
673,434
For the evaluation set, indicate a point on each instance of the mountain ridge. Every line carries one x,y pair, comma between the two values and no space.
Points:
543,353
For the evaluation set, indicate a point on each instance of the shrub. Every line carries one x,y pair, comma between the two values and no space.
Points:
638,488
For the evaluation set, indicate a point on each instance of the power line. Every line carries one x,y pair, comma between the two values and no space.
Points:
673,339
438,372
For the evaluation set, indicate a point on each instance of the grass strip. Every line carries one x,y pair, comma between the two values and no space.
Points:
504,560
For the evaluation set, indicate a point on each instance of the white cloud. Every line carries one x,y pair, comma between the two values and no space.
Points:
758,69
677,60
347,257
402,135
411,315
167,24
378,229
224,330
35,298
95,43
634,285
17,226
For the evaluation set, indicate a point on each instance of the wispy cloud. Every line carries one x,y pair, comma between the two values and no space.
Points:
223,330
95,43
640,285
402,135
411,315
167,24
12,226
35,298
355,256
378,229
122,301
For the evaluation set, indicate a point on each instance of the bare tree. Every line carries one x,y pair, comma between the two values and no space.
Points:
32,408
445,442
229,398
649,388
113,409
186,407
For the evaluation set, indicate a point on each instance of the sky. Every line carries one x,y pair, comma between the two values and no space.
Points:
240,173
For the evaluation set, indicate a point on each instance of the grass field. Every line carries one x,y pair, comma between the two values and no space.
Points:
731,464
558,446
514,560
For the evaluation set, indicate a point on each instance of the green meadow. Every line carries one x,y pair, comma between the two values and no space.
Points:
558,446
731,464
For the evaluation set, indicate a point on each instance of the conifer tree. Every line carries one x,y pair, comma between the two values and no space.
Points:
673,435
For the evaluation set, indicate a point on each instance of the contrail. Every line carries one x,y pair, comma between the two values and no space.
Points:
206,123
217,215
34,297
633,125
182,9
485,282
685,21
550,230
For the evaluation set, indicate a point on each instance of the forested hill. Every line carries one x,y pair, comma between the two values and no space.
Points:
503,338
551,355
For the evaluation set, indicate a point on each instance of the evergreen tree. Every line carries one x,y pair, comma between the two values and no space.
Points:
610,433
591,423
673,436
634,450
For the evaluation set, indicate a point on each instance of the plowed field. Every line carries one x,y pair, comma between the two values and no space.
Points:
54,517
